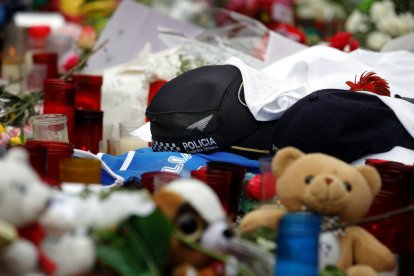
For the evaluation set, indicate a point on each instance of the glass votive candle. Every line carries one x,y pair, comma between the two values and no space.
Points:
152,181
106,137
237,175
56,151
88,91
128,142
80,170
50,59
88,125
59,97
219,182
50,127
13,55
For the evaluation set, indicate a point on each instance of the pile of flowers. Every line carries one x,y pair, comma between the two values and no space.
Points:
376,24
13,135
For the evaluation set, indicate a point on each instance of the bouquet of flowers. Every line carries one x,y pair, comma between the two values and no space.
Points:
374,23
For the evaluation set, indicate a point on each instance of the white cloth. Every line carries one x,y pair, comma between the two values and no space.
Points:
271,91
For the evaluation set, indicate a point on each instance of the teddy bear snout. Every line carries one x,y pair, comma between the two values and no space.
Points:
328,180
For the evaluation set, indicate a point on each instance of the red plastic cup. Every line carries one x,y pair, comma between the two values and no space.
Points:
88,91
50,59
237,175
219,182
88,125
149,180
56,151
59,98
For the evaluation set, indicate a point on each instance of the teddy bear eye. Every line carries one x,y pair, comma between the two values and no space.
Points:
308,179
187,224
347,186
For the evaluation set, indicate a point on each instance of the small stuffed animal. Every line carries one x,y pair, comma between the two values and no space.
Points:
23,198
326,185
70,218
196,212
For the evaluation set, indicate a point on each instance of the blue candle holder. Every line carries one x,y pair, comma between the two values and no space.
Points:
297,245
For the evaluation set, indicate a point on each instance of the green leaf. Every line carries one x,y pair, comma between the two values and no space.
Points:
365,5
155,231
139,245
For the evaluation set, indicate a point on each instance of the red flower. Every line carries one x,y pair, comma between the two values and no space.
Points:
288,31
343,41
370,82
71,61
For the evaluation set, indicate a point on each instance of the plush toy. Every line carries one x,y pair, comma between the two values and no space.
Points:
196,212
70,218
23,198
323,184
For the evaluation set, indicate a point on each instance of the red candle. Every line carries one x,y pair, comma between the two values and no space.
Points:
38,158
49,59
88,125
88,91
219,182
149,180
395,193
56,151
59,98
237,175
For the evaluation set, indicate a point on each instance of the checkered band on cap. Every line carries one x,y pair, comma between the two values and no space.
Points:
162,146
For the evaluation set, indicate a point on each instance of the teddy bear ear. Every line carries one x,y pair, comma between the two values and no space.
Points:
372,177
283,158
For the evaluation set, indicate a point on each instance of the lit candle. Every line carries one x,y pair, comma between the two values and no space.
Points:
128,142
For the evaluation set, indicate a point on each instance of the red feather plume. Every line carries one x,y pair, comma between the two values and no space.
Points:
370,82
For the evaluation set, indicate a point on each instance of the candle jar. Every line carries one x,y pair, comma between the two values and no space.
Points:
297,244
59,97
395,193
14,50
152,181
219,182
88,91
80,170
237,175
128,142
88,125
56,151
50,59
38,158
50,127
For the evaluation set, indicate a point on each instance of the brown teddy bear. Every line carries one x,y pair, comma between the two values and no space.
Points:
326,185
195,212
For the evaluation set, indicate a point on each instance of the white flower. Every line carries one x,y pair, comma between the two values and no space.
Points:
376,40
381,10
357,22
319,9
397,25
